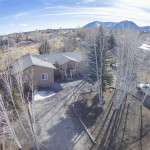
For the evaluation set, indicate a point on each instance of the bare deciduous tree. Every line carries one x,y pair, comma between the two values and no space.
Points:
127,47
12,79
5,123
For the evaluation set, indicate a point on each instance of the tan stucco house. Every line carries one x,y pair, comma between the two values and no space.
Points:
33,69
45,69
68,64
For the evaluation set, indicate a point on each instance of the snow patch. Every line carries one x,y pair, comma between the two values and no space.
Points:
41,95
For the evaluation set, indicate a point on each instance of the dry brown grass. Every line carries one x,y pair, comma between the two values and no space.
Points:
57,45
17,53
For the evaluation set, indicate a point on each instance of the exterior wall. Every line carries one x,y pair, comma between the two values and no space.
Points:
80,66
70,64
37,72
56,72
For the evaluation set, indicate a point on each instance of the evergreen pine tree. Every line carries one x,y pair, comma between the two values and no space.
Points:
44,47
111,42
98,58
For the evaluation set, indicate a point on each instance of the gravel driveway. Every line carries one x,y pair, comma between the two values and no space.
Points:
58,127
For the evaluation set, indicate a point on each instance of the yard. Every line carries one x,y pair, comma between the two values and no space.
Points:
60,129
124,129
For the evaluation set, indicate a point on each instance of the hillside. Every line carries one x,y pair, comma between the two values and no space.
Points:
17,52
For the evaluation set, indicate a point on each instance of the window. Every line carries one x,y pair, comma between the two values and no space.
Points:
24,79
44,76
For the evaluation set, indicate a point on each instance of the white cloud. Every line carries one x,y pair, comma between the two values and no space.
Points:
115,11
56,7
16,16
23,25
120,10
20,14
136,3
89,1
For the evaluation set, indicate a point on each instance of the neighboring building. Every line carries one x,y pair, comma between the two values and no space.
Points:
47,68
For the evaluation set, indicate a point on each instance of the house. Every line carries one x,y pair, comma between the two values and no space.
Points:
32,68
68,64
46,68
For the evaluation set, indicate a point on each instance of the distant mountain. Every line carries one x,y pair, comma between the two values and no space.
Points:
93,24
109,25
127,24
120,25
147,28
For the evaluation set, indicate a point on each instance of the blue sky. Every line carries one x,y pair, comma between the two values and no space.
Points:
28,15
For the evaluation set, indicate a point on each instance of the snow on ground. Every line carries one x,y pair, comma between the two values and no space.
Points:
41,95
145,47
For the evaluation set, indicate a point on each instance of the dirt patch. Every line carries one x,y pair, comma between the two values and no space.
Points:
125,128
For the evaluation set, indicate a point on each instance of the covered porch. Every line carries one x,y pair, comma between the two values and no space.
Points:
68,70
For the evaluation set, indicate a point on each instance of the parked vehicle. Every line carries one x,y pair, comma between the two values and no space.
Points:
144,88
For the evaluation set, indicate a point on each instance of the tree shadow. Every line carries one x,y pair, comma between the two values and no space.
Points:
88,113
147,102
51,104
56,87
66,134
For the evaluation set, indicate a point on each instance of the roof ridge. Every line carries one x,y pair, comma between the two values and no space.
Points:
71,58
42,61
65,56
33,55
31,59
